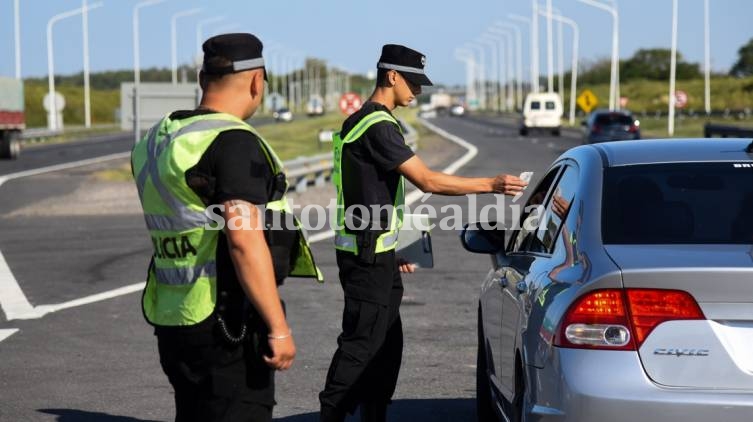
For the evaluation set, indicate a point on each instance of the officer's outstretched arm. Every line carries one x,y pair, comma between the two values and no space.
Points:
428,180
253,265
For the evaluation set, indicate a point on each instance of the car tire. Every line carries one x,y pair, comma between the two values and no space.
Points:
484,410
556,132
10,145
523,131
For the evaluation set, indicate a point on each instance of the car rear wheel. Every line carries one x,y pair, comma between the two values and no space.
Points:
523,131
556,132
484,410
10,145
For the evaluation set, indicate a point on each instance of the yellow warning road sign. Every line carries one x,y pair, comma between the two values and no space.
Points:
587,101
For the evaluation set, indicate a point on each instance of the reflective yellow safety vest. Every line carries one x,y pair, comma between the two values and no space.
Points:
181,287
345,241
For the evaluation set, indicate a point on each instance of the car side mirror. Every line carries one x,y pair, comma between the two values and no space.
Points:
484,237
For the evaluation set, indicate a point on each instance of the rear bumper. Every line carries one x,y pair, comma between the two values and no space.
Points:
591,385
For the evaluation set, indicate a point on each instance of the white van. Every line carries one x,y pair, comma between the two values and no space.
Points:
542,111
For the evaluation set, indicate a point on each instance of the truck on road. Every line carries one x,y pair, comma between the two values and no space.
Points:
12,120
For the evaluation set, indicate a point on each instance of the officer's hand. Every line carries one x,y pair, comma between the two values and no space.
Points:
405,266
283,353
508,184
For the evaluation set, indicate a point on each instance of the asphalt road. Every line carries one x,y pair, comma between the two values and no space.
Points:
39,156
98,362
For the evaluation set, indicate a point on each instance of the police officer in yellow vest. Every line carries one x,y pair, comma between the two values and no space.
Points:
371,159
203,177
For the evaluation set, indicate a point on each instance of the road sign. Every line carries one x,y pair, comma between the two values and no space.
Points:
587,100
350,103
55,103
681,99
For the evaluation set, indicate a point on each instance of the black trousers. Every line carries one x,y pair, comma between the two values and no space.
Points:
366,364
215,381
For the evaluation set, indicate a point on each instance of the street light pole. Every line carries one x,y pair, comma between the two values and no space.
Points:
174,38
467,57
17,33
518,60
507,36
707,58
549,47
614,90
200,31
535,45
527,21
53,122
137,67
496,74
574,65
672,72
481,73
87,90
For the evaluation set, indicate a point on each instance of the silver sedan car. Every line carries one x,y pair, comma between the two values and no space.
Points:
625,291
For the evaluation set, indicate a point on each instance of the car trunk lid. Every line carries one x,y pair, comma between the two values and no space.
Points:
715,353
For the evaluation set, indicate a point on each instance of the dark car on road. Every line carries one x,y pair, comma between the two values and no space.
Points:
624,292
605,125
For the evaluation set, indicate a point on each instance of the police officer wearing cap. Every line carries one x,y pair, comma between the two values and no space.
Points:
371,161
211,291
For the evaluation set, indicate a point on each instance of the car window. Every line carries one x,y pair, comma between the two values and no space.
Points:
529,219
616,119
556,211
550,105
535,105
678,203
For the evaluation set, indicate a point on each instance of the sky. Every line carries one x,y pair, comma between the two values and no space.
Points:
349,34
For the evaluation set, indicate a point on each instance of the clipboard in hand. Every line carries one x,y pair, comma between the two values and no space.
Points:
414,241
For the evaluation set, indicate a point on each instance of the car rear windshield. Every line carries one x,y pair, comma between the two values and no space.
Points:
613,119
685,203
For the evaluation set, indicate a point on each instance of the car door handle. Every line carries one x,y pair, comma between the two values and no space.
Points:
522,287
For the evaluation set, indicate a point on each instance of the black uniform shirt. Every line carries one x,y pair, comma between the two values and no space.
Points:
369,164
234,167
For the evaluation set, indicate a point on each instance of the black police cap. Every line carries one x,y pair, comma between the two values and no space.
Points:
408,62
242,50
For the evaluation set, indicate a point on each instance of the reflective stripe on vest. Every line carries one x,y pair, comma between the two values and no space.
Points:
345,241
181,286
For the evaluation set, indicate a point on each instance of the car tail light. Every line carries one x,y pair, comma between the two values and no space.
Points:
651,307
633,129
617,319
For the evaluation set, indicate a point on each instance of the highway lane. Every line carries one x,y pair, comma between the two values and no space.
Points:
100,362
39,156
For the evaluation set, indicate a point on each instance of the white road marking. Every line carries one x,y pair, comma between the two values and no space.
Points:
12,298
7,333
13,301
16,306
64,166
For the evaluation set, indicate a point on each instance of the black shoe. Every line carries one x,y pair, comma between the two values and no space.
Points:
331,414
374,412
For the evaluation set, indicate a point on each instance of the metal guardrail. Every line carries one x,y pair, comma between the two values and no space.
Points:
710,129
316,170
